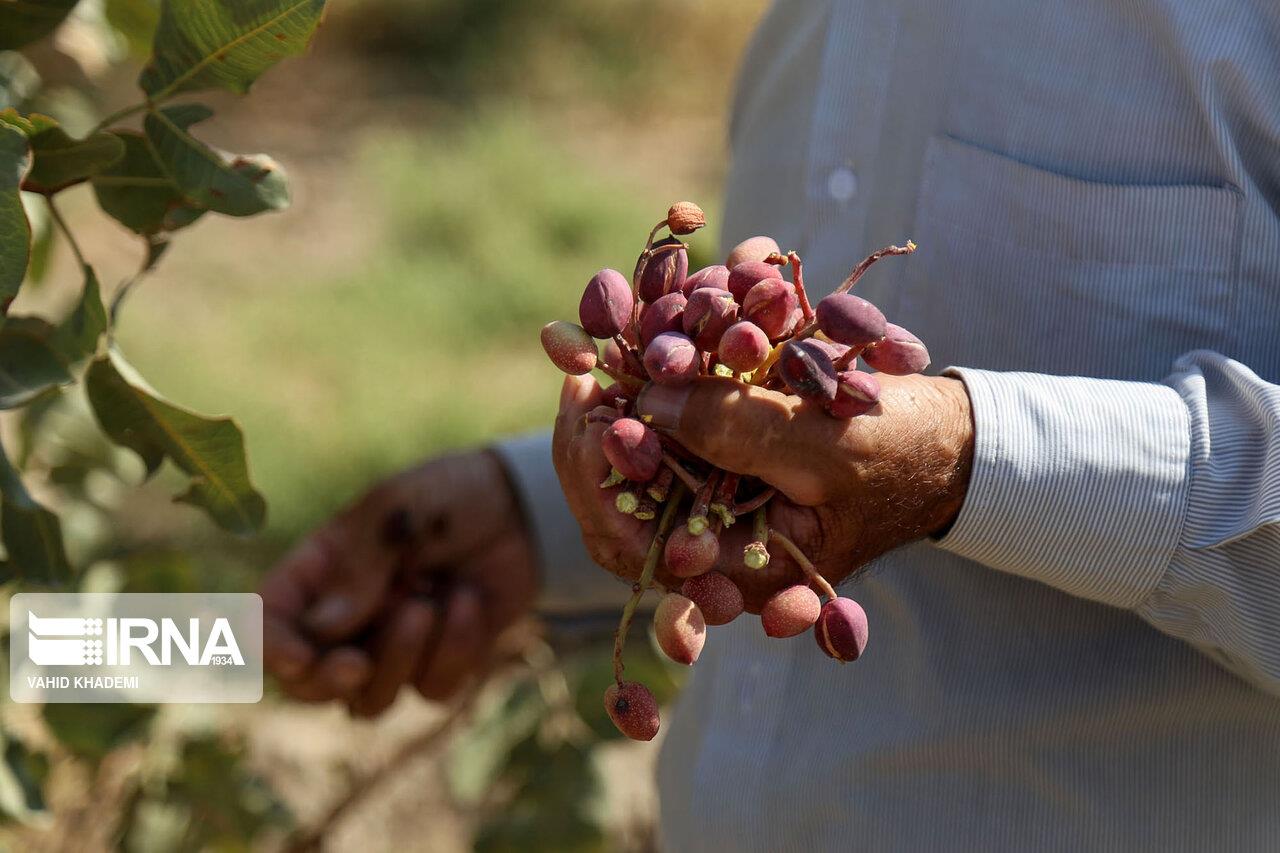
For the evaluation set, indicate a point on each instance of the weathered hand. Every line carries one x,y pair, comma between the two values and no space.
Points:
409,585
849,490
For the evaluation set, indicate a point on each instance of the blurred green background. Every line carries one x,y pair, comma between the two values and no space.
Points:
459,168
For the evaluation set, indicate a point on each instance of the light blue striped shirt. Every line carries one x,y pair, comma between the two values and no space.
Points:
1091,657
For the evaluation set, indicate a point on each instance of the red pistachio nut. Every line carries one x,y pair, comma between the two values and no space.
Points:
752,249
899,354
806,369
569,347
664,271
688,554
744,346
671,359
632,448
841,629
680,627
713,276
633,710
747,275
664,315
772,305
709,313
856,394
850,320
717,597
605,309
790,611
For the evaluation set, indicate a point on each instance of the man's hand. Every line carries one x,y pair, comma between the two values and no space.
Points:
849,490
411,584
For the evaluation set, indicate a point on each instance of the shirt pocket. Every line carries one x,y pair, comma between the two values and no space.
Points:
1020,268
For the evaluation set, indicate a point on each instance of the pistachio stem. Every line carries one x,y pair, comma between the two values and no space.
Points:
756,554
702,504
648,244
846,361
722,502
645,580
629,356
761,374
755,503
626,380
648,508
691,482
660,488
805,563
798,275
858,271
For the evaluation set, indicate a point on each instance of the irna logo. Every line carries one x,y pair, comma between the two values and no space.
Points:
60,641
135,647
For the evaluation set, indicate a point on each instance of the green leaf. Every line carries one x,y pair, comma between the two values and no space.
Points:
208,44
29,362
77,336
24,21
210,450
138,194
60,160
476,757
22,778
92,731
32,535
555,784
35,356
136,21
240,185
15,231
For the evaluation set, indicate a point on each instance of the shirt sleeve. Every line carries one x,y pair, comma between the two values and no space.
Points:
571,582
1163,499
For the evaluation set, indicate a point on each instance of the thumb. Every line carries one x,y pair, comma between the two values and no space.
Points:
747,430
358,573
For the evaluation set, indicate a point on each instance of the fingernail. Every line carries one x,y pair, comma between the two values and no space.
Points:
571,390
660,406
329,613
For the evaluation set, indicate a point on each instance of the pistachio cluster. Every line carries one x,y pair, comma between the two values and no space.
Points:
745,320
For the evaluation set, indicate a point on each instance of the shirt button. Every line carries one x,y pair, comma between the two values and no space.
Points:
842,183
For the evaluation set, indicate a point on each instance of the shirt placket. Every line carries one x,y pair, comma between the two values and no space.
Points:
849,106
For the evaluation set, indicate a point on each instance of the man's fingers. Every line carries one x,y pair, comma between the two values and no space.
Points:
578,395
291,584
748,430
337,675
463,645
358,580
401,643
285,652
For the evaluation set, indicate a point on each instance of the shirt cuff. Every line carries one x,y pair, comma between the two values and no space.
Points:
571,582
1078,483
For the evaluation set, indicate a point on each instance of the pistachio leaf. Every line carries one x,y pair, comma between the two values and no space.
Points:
15,231
24,21
210,450
31,534
137,193
29,362
36,356
208,44
232,185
